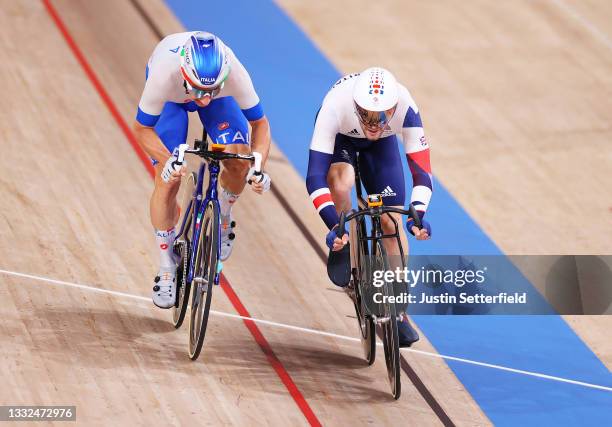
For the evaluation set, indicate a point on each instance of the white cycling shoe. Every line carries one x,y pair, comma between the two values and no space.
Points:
164,288
227,236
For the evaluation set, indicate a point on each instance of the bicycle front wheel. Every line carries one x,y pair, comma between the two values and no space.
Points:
360,274
182,248
204,277
391,348
390,337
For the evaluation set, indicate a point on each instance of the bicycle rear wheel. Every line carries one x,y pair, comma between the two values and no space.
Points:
204,277
183,249
390,336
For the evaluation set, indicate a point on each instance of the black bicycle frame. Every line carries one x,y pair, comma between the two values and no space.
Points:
375,213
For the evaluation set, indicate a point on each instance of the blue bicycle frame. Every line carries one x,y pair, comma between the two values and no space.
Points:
197,211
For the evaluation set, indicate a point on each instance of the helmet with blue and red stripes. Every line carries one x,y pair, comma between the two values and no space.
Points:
204,62
375,96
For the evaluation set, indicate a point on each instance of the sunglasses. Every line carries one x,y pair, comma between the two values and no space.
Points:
197,93
374,119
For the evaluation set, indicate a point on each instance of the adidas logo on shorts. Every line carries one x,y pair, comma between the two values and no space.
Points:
388,192
354,132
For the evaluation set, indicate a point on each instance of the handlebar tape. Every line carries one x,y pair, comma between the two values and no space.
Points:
341,229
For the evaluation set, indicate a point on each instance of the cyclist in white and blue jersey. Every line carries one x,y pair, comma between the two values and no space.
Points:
197,72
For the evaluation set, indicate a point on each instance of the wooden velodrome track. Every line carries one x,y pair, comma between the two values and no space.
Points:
76,201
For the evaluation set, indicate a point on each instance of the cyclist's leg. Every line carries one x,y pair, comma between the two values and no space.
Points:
341,175
340,180
172,130
382,173
225,124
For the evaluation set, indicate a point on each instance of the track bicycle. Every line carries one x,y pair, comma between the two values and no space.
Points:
198,241
368,255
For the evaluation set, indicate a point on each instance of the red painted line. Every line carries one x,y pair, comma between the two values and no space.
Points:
225,285
267,349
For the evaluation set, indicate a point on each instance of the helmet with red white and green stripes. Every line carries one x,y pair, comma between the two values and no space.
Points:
204,64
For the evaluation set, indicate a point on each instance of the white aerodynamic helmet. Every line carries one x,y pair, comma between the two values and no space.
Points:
375,91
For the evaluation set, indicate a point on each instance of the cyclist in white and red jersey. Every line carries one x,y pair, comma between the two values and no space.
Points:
364,113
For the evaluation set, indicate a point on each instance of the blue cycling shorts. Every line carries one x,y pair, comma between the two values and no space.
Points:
223,120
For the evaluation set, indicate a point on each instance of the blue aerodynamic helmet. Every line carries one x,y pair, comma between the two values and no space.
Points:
204,64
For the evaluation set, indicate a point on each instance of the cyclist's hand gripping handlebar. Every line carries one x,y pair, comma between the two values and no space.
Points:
172,169
260,181
335,239
415,217
424,229
256,169
180,157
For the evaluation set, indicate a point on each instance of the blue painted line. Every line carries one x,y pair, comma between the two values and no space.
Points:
292,76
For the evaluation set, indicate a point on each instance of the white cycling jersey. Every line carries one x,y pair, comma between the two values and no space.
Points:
165,82
337,116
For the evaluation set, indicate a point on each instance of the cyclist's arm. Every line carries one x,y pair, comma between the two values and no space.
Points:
417,154
149,141
319,161
241,88
260,137
149,111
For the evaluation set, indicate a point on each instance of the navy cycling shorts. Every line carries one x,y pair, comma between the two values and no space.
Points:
380,165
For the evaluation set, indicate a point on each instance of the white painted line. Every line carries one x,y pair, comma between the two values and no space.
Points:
310,331
596,32
505,368
74,285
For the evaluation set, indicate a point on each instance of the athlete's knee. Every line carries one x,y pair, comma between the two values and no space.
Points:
340,190
388,224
